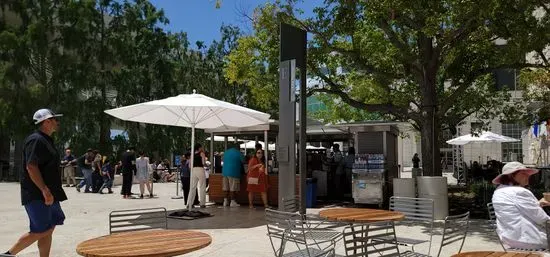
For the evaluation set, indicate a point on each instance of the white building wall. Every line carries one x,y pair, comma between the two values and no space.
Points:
409,143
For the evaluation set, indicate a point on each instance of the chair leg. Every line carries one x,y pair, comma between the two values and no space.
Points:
278,253
500,242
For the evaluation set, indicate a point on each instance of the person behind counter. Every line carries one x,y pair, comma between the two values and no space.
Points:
257,178
231,171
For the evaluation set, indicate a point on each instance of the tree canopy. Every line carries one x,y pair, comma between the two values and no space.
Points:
430,63
83,57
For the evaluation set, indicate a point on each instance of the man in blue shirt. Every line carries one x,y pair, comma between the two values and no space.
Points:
231,171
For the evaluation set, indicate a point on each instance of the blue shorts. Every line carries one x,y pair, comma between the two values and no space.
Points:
43,217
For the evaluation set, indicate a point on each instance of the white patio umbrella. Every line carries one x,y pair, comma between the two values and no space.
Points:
191,110
484,137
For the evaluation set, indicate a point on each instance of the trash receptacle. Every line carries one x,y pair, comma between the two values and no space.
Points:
311,193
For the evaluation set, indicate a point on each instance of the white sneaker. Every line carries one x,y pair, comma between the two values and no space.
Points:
225,202
234,204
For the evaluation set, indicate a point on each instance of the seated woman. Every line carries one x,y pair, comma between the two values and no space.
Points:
521,221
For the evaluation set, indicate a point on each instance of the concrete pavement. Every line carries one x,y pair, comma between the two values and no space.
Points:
235,231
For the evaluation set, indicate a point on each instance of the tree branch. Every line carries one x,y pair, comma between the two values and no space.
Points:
543,57
335,89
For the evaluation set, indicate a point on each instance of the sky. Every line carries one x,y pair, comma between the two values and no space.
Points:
202,20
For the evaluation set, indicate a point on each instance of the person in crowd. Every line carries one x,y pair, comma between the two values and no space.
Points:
218,162
161,171
207,165
158,169
97,178
169,176
85,164
231,171
521,220
198,179
128,171
347,167
118,167
257,178
416,161
142,174
68,168
97,163
258,146
108,174
185,171
41,185
337,155
185,175
476,171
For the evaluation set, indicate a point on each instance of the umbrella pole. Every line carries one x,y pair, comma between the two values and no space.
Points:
190,201
178,177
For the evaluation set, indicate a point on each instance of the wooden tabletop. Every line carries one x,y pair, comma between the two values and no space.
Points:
496,254
360,215
153,243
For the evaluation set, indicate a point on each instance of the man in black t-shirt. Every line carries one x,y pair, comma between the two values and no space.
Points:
128,171
41,189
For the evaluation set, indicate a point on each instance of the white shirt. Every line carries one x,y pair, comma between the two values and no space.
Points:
520,219
142,167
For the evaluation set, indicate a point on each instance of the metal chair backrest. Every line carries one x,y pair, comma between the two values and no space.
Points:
137,219
454,230
415,210
291,204
280,223
418,209
371,238
492,215
280,227
493,223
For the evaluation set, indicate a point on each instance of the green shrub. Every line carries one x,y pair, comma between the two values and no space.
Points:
483,192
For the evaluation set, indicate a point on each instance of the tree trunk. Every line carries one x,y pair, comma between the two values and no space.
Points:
431,159
429,125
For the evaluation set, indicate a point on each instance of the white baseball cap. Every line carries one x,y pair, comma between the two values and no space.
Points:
512,167
44,114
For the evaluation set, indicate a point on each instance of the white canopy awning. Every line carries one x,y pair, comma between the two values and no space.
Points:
484,137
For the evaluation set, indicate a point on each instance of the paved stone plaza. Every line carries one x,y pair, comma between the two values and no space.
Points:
235,231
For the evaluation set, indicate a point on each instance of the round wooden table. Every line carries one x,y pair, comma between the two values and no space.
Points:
496,254
360,215
153,243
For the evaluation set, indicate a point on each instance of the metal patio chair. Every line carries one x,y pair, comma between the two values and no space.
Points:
416,210
493,223
370,239
137,219
290,227
455,230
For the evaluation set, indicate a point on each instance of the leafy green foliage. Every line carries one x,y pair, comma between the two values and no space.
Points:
426,62
83,57
536,90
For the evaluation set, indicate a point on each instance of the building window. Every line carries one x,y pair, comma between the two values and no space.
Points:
512,151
